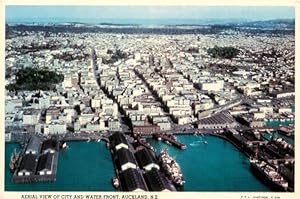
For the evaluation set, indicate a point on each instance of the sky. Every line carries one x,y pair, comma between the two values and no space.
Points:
73,13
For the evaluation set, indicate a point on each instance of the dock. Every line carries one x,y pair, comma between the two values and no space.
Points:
38,161
170,139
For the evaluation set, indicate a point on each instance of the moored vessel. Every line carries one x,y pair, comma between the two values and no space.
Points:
171,168
268,175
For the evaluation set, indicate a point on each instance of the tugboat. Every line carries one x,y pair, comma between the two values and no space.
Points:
115,182
171,168
14,160
269,175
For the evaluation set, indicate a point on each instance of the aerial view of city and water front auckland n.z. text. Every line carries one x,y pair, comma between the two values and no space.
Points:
149,98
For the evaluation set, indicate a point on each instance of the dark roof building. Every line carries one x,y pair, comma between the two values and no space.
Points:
146,159
118,141
28,165
132,180
157,182
125,159
45,164
50,145
34,145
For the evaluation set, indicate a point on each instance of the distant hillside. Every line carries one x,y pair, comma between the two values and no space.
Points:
271,24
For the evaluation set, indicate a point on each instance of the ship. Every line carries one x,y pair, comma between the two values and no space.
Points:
268,175
171,168
14,160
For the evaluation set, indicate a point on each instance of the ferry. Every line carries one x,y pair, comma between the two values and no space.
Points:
269,175
171,168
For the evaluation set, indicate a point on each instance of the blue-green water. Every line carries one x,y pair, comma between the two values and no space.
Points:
278,123
216,166
83,167
275,134
278,135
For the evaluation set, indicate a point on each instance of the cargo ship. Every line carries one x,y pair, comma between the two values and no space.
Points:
171,168
268,175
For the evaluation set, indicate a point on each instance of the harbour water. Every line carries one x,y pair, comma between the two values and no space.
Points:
82,167
215,166
275,134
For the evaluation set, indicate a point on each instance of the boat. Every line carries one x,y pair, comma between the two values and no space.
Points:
115,182
171,168
14,160
98,140
268,175
205,142
64,145
88,140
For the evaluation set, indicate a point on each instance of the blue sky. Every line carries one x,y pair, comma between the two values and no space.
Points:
147,12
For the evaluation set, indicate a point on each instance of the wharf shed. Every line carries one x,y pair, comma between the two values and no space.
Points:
49,146
125,159
219,121
118,141
157,182
34,145
45,164
132,180
146,159
28,165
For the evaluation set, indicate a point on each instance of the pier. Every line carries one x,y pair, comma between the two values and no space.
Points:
38,161
170,139
136,166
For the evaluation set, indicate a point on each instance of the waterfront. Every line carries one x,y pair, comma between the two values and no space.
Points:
83,167
88,167
289,139
215,166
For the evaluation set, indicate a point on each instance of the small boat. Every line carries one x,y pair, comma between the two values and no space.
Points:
88,140
64,145
98,140
115,182
205,142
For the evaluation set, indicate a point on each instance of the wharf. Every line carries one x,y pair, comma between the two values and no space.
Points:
38,161
38,178
170,139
